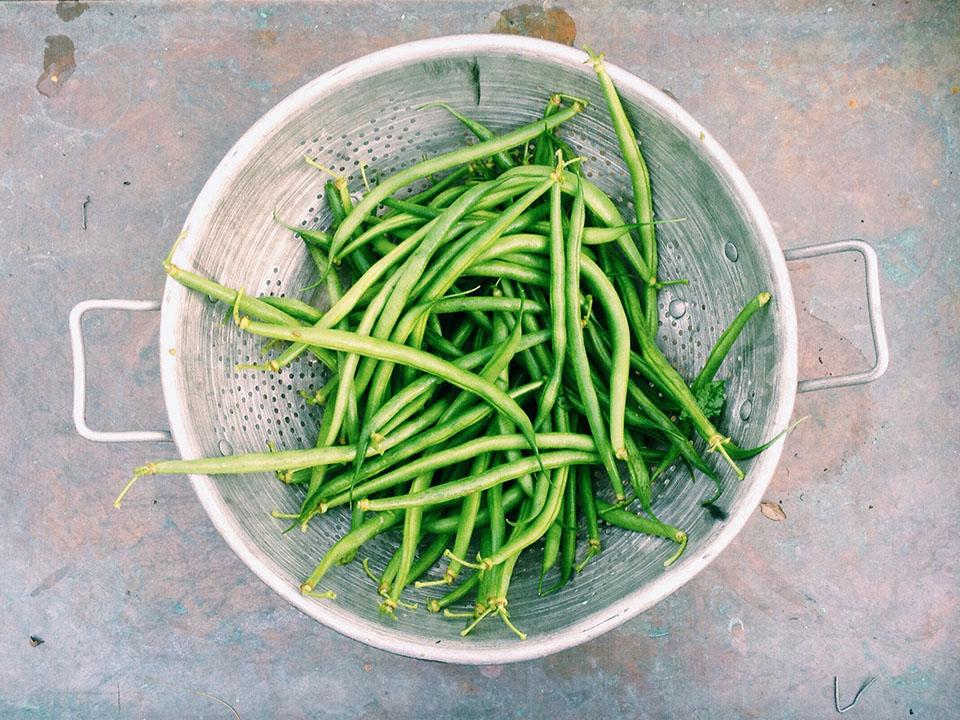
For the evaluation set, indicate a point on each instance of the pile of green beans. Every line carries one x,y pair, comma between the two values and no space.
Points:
496,386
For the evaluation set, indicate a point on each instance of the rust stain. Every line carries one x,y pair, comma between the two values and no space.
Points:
264,38
68,10
536,21
58,65
852,103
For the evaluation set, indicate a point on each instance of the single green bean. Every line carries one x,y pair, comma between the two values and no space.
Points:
639,180
631,521
482,132
587,501
579,363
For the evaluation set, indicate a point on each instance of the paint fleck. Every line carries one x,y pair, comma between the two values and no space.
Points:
738,635
955,90
58,65
264,38
772,511
536,21
367,667
905,257
852,103
68,10
50,580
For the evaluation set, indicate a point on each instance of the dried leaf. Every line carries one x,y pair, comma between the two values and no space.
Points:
772,511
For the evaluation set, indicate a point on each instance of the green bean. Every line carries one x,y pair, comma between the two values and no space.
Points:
543,146
716,357
660,419
486,303
587,501
511,498
539,525
639,180
467,521
338,199
386,350
494,476
620,340
389,572
356,520
630,521
384,227
395,449
551,551
408,544
407,276
429,557
378,418
599,204
500,269
568,536
639,476
249,462
530,244
721,348
433,436
249,305
678,388
443,346
531,326
349,543
342,306
293,307
579,363
452,181
333,192
557,304
440,163
454,595
311,236
494,495
502,160
451,272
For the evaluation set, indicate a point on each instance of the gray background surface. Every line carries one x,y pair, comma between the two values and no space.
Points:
844,117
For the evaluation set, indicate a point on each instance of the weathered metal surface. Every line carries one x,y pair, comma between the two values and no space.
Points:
845,121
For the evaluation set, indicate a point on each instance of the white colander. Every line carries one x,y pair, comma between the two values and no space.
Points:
365,112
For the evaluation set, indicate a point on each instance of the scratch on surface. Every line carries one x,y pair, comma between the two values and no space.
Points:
50,580
219,700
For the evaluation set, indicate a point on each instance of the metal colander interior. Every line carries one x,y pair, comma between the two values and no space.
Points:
367,113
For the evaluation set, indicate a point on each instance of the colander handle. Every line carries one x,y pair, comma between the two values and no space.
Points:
80,373
874,313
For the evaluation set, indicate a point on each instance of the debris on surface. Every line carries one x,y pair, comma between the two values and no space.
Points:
772,511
